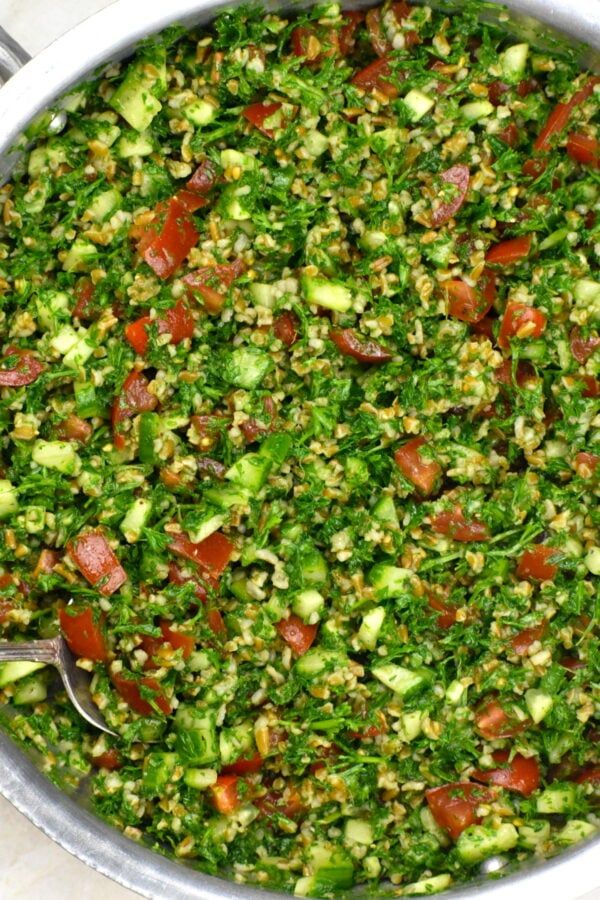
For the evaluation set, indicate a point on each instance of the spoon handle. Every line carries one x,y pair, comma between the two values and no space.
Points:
30,651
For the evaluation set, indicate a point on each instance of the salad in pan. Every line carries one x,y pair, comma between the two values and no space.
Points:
299,445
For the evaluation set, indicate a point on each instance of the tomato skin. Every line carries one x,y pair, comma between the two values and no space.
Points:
459,176
533,168
82,634
93,556
535,563
46,562
178,640
285,327
454,805
212,554
589,775
511,251
522,322
301,45
225,796
129,689
136,334
177,321
496,91
379,42
582,348
376,75
453,524
257,113
493,722
297,634
591,386
74,429
110,759
584,149
466,302
199,282
560,115
134,398
446,614
520,774
510,135
84,292
422,473
273,803
244,766
349,344
522,641
203,179
346,37
589,460
26,370
164,249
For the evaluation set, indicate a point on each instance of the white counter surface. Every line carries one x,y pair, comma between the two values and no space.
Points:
32,865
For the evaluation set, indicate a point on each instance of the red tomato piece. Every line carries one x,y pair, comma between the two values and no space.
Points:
459,177
589,775
582,348
535,562
520,774
178,639
83,634
446,613
504,373
522,322
527,86
453,524
454,806
166,242
203,179
346,37
508,252
379,42
177,321
496,91
212,554
260,113
130,691
560,115
591,385
533,168
589,460
584,149
286,804
84,292
285,327
376,75
46,562
466,302
190,201
93,556
244,766
302,44
74,429
510,135
572,663
134,398
136,334
24,369
110,759
421,472
349,344
493,722
199,282
297,634
522,641
225,796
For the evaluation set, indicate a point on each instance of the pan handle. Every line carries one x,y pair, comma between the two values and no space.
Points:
12,56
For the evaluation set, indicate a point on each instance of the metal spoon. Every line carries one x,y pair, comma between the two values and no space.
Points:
55,653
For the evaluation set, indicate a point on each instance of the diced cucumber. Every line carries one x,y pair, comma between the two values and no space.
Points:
231,158
356,471
318,661
388,581
9,501
574,831
385,512
49,306
59,455
315,143
276,447
227,496
136,518
31,690
400,680
157,771
332,868
456,692
134,144
538,703
236,742
14,671
329,294
200,778
150,426
313,567
199,112
358,831
250,472
104,204
411,724
196,742
48,156
591,560
263,294
478,842
276,607
431,826
207,526
64,339
476,109
81,256
428,885
309,605
136,98
79,353
534,833
371,866
247,367
235,204
86,400
587,295
370,627
418,104
557,237
557,798
513,61
34,519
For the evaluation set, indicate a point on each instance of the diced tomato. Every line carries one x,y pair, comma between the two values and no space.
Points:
421,472
493,722
215,621
560,115
276,803
468,303
46,562
189,201
167,240
203,179
453,524
74,429
533,168
520,774
376,75
136,334
572,663
446,613
591,385
535,562
365,351
213,616
176,321
589,460
496,91
297,633
244,766
351,19
522,322
582,348
211,468
134,398
508,252
285,327
527,86
503,374
93,556
484,328
379,42
458,176
303,46
178,639
24,369
225,795
110,759
199,282
510,135
589,775
522,641
208,428
82,633
584,149
212,554
454,806
372,731
130,691
84,292
258,113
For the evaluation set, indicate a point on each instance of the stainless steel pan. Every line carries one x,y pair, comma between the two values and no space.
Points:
34,85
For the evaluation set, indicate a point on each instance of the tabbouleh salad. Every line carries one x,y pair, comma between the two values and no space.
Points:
300,444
